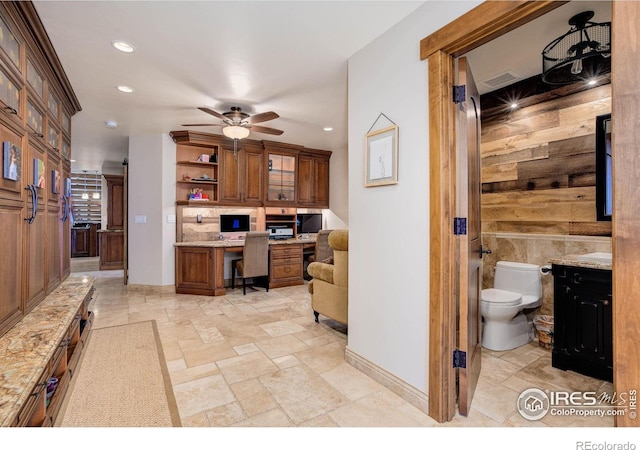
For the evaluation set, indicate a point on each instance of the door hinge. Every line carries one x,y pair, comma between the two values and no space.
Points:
459,93
459,359
459,226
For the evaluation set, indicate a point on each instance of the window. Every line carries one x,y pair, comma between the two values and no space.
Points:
86,209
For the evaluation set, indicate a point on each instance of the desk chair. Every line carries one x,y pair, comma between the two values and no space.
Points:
323,250
255,259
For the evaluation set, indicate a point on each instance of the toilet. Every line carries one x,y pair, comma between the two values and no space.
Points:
517,287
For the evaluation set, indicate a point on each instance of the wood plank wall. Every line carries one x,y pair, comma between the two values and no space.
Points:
538,167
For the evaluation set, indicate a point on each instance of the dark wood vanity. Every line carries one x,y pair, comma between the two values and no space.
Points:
583,323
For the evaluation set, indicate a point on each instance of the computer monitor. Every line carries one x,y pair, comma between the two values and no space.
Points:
232,223
309,223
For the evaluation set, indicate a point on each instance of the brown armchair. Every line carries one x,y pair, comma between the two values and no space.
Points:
330,285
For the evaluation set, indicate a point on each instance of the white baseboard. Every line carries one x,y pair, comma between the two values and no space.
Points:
396,385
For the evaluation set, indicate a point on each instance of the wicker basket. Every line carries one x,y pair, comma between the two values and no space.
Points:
544,330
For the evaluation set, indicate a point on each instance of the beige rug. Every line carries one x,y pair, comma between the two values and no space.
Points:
121,381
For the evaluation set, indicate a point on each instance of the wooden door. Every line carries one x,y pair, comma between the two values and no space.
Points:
115,202
469,242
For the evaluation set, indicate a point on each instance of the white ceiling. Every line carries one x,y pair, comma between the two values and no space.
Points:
284,56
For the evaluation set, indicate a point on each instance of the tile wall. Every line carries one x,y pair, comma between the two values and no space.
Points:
536,249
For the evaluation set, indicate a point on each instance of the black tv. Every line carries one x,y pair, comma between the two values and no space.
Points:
309,223
230,223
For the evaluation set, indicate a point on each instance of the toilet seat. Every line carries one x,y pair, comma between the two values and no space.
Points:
500,297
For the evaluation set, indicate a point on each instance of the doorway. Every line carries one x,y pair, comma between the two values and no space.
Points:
475,28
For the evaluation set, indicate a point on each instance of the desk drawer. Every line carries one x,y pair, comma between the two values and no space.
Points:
281,251
284,271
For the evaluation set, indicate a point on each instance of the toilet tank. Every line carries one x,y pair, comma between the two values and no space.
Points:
518,277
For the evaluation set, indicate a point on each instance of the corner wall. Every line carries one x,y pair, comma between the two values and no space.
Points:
389,225
152,193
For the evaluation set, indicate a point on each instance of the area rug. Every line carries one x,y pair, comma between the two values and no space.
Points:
122,381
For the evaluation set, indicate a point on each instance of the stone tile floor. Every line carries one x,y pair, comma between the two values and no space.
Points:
260,360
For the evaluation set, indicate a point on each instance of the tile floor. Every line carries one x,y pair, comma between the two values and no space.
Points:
260,360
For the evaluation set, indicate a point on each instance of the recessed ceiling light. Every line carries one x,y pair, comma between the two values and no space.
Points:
125,89
123,46
111,124
328,128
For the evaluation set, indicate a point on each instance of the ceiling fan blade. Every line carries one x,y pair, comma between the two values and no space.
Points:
212,112
265,130
262,117
201,125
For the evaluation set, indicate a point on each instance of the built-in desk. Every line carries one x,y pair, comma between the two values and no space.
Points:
200,265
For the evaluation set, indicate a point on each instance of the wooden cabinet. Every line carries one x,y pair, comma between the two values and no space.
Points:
281,178
583,337
313,180
33,91
80,242
196,173
200,270
250,173
285,265
47,394
111,249
115,202
242,174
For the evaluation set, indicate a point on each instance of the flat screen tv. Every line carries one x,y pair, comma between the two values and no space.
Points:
231,223
309,223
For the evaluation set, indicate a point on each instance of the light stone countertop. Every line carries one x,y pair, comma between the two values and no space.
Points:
240,243
572,260
25,350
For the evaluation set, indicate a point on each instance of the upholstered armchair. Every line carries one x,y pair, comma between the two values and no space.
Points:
330,284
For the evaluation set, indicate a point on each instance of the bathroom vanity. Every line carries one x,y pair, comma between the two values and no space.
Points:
583,315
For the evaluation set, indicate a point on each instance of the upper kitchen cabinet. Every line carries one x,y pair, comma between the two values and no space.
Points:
313,179
281,161
242,173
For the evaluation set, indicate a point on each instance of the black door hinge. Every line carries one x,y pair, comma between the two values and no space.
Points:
459,93
459,359
459,226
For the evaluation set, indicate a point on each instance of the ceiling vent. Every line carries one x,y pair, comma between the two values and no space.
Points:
502,79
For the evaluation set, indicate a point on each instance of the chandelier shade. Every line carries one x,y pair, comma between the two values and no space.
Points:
235,132
581,54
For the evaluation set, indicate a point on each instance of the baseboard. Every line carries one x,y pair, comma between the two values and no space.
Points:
149,289
396,385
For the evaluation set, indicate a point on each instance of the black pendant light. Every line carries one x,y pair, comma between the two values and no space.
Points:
581,54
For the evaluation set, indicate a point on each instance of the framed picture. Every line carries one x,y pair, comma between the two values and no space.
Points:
38,173
12,161
55,181
67,187
381,157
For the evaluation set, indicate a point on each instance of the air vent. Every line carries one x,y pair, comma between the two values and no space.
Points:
501,79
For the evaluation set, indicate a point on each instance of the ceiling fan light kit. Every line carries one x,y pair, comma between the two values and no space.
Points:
235,132
581,54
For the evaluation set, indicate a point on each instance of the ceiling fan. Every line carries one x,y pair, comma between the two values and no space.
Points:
237,124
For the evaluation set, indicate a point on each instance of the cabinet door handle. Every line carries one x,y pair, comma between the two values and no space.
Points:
34,202
11,110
